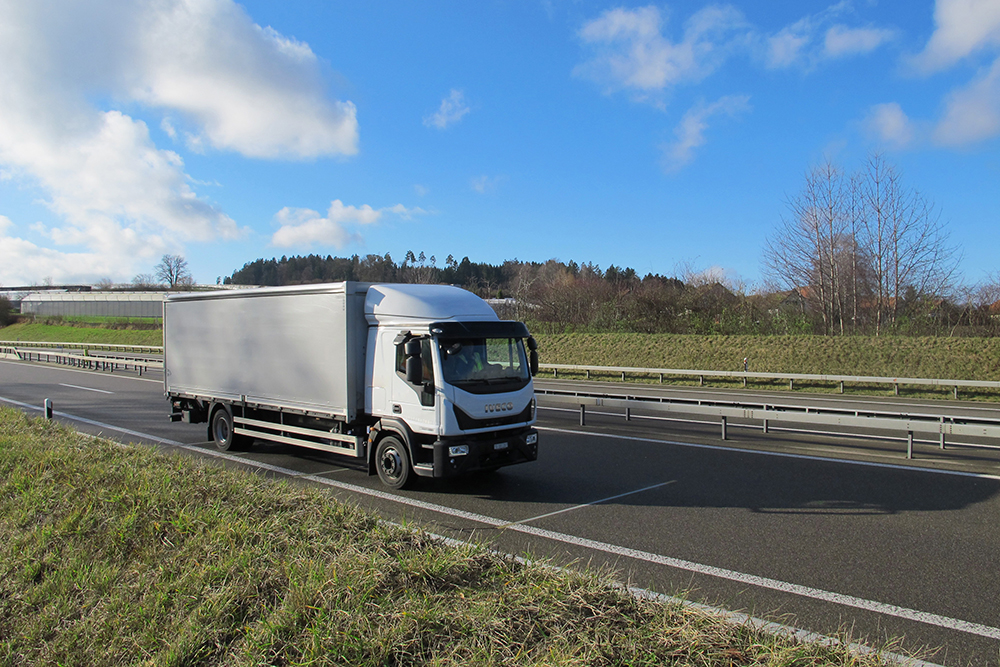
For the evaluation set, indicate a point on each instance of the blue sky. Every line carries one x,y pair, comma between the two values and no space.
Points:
665,137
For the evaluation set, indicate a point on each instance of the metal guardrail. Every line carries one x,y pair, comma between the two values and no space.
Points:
97,363
765,414
111,347
791,377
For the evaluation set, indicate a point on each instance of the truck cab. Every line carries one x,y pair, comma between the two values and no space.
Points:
448,382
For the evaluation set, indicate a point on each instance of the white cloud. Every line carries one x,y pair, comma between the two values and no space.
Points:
631,52
842,40
972,114
486,184
303,227
816,38
452,109
690,131
786,47
121,200
890,125
245,88
962,28
24,263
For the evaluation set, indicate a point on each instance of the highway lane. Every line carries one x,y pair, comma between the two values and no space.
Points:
834,544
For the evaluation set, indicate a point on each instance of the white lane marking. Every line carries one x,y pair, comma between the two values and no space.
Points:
595,502
731,575
806,457
76,370
74,386
84,420
772,584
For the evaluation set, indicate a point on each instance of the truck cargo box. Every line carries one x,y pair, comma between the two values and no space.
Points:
298,348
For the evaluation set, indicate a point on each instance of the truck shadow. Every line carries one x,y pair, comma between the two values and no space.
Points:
722,478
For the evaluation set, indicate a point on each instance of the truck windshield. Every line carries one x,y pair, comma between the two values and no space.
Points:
483,361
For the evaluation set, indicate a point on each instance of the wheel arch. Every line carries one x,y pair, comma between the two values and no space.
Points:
386,427
214,407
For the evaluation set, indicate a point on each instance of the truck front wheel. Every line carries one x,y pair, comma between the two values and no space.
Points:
393,463
221,430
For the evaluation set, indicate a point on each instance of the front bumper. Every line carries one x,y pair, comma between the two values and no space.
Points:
490,453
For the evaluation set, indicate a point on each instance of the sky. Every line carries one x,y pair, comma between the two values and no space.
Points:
663,137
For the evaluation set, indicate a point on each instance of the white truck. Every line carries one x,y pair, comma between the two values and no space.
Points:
413,380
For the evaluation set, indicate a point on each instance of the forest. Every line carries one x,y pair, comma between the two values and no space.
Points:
565,297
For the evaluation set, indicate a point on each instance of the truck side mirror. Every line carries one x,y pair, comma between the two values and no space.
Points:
414,365
532,343
533,362
414,370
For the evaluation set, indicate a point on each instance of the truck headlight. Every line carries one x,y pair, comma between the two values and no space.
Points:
458,450
531,439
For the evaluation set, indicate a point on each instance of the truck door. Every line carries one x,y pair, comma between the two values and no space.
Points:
415,404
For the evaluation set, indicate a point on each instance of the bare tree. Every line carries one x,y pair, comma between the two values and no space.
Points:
173,270
905,241
860,245
806,253
144,281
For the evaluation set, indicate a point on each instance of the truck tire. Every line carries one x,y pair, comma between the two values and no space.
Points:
221,430
393,463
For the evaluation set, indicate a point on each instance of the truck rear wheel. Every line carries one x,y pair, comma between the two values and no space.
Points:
222,431
393,463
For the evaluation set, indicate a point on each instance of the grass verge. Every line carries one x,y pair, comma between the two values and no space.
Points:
112,555
916,357
67,333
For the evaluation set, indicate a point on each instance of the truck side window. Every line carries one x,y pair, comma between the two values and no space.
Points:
425,360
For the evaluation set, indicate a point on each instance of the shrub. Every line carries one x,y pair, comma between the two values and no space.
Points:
6,311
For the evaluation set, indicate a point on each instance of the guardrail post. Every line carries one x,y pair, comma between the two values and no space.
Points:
583,415
942,432
956,392
661,378
895,388
588,373
623,376
555,373
841,386
48,408
744,381
765,420
909,444
628,414
791,384
723,428
701,380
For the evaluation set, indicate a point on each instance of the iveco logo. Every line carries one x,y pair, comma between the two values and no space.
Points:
499,407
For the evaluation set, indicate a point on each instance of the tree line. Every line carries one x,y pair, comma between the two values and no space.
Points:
858,253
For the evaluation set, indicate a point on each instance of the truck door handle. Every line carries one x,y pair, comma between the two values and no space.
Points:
397,409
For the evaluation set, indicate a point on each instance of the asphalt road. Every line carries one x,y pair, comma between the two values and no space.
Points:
772,525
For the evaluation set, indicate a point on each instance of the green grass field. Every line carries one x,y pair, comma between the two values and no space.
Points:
67,333
113,555
916,357
923,357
